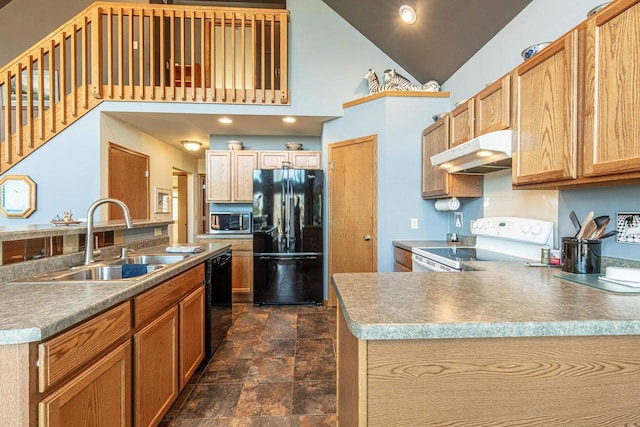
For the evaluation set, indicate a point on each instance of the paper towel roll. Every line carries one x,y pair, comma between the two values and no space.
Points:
447,204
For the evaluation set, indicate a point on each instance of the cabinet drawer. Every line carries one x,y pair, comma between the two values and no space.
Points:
148,305
402,256
65,353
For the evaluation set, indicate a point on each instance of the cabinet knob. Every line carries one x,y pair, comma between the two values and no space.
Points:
367,237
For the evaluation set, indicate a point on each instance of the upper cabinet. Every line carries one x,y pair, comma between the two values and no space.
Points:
293,159
546,114
461,126
230,175
612,91
493,107
437,183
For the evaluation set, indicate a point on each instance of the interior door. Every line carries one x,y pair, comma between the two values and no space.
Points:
128,181
181,212
353,206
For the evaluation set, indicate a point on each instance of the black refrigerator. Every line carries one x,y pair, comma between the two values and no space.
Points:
287,236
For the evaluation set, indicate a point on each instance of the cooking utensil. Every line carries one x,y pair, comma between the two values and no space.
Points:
602,226
609,234
575,221
589,230
585,223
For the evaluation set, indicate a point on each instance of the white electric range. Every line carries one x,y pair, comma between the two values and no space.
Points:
497,239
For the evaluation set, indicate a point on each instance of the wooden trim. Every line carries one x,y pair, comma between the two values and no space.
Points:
389,93
352,380
18,384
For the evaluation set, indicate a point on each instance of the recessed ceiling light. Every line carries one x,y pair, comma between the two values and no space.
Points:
288,119
407,14
225,120
191,145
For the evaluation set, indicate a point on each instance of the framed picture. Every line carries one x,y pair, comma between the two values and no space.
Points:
163,200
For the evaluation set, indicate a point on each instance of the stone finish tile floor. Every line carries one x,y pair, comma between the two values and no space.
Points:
276,367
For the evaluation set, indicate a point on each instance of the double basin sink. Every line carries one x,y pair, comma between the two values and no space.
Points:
108,270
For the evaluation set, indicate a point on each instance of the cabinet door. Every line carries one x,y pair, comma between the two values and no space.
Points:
435,139
273,159
218,166
99,396
242,272
612,91
244,163
462,123
305,159
492,107
546,118
191,334
156,368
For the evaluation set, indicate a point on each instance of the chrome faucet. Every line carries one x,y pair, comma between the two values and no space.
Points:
88,254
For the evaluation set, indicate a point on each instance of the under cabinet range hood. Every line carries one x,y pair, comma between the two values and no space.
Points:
487,153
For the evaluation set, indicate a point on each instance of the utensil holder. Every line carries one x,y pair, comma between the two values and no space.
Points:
581,256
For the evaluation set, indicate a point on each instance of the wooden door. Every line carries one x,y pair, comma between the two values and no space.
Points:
104,388
203,205
435,139
156,368
612,91
353,205
546,114
128,181
244,162
191,334
493,107
182,215
218,165
462,129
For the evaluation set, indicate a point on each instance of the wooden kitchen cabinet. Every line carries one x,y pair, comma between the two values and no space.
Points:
611,142
546,114
88,366
191,314
230,175
99,396
241,263
164,348
461,123
296,159
492,107
437,183
402,260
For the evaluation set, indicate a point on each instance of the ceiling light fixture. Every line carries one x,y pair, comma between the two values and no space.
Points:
191,145
407,14
288,119
225,120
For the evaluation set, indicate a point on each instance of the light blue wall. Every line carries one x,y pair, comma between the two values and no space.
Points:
398,123
66,171
603,201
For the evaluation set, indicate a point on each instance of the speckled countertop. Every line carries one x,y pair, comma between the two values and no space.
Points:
502,299
34,311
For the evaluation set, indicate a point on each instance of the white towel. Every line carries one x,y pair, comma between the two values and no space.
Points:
184,249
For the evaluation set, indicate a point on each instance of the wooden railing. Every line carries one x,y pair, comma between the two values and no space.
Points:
140,52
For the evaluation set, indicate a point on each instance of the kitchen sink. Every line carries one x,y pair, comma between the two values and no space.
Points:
151,259
98,273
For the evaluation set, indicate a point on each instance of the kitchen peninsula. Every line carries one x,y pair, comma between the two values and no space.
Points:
108,352
507,345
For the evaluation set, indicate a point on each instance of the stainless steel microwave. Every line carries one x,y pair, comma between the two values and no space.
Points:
230,222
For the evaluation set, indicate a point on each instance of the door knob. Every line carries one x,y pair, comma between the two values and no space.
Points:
367,237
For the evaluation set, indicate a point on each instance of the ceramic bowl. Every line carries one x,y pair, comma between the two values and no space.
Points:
235,145
533,49
438,116
597,9
459,103
293,146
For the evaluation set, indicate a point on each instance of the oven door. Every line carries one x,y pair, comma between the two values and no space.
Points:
422,264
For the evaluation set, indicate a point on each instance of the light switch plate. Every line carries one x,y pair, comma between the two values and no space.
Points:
414,223
458,219
628,227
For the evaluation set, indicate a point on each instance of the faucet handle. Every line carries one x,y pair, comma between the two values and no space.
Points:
124,252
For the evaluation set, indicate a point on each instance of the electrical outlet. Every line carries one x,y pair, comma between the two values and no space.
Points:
414,223
458,219
158,231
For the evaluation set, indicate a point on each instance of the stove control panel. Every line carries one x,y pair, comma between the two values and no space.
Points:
513,228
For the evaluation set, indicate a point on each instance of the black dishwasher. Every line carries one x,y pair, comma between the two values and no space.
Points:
218,310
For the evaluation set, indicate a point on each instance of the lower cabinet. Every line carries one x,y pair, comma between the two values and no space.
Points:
402,260
100,396
168,343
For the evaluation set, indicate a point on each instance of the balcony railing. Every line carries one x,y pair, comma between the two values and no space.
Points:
140,52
